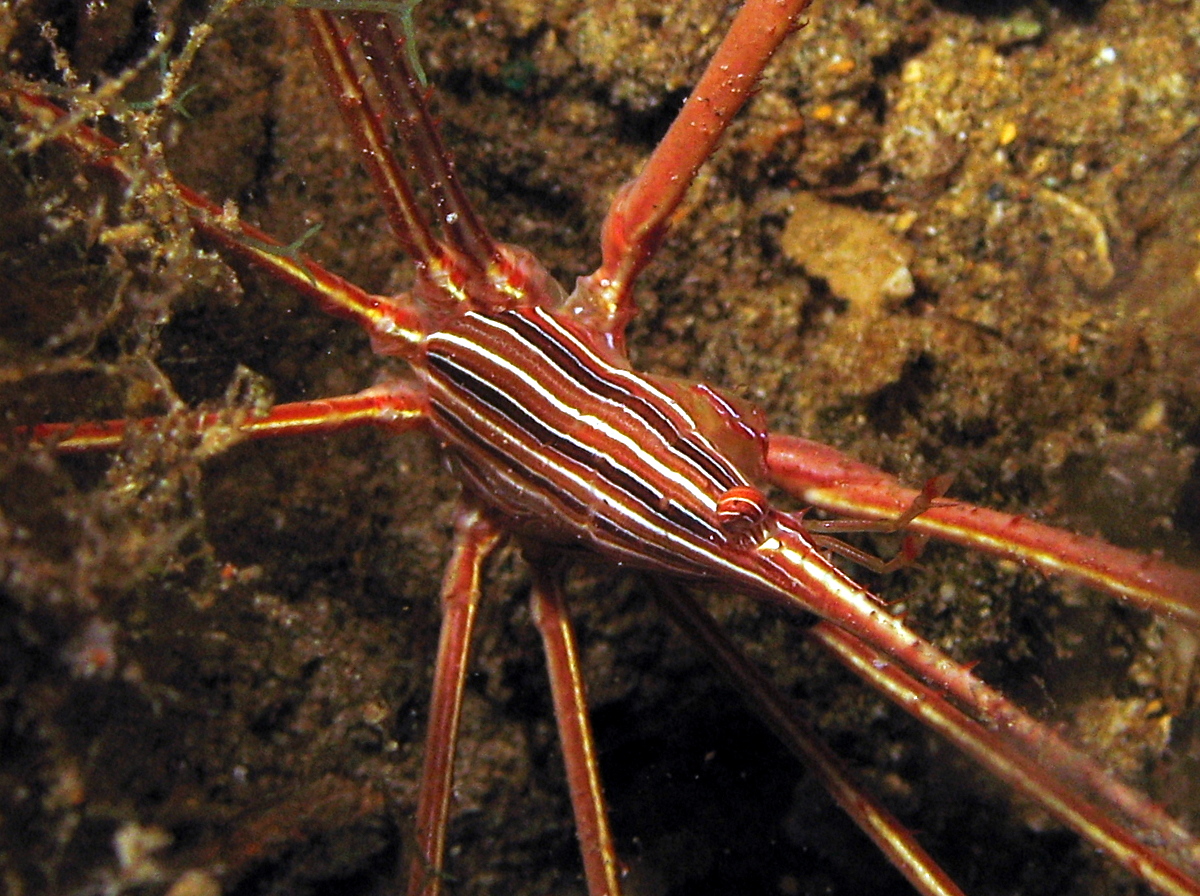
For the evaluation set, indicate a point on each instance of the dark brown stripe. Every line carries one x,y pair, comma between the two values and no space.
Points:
516,436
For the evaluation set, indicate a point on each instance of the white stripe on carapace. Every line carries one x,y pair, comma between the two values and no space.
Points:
679,477
639,535
511,429
540,458
627,382
614,516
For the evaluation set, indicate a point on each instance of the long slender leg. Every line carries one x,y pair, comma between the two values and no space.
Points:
392,323
458,261
993,752
828,479
404,95
408,222
1028,775
466,265
816,587
639,218
575,733
894,840
392,407
474,540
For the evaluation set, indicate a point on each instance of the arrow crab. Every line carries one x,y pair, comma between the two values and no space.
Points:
224,674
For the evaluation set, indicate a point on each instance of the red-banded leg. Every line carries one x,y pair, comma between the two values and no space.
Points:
1136,848
640,216
787,721
390,406
475,537
575,733
818,589
391,321
824,477
1036,779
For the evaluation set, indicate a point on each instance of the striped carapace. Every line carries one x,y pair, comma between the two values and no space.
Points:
555,431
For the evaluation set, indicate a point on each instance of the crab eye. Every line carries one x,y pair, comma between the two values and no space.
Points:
741,507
